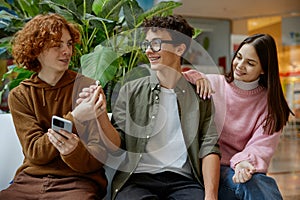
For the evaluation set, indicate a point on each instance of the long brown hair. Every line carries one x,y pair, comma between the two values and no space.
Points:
278,109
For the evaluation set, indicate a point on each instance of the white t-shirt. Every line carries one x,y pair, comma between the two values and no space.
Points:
166,150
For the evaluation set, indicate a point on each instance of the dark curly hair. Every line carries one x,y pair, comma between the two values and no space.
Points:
179,29
40,33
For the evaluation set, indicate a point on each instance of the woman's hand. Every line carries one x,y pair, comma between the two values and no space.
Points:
86,93
243,172
63,141
204,88
91,104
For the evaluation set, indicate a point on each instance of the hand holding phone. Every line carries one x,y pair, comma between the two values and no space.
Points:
59,123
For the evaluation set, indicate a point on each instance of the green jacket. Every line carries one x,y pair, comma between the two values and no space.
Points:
134,115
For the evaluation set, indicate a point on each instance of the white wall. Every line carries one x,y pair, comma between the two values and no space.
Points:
219,33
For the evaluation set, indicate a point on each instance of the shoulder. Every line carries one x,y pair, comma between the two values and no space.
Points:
137,83
18,90
18,95
78,76
216,78
79,79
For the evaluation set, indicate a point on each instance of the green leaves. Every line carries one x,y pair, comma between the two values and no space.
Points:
123,37
16,75
28,8
163,9
67,9
132,11
101,64
98,6
111,9
5,47
109,47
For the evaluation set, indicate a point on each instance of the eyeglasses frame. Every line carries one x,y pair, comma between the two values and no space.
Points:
148,44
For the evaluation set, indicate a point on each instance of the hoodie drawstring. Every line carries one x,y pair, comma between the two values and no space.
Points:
57,94
43,96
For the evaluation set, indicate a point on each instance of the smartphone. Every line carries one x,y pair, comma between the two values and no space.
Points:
59,123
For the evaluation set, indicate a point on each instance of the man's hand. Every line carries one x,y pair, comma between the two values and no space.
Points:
63,141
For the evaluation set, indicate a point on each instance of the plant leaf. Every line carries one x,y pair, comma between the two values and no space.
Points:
111,9
98,6
198,31
163,8
30,8
5,4
16,75
101,64
131,11
68,9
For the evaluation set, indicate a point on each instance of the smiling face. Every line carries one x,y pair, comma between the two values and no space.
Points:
57,59
246,64
168,57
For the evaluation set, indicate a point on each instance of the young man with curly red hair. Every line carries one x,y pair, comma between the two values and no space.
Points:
57,165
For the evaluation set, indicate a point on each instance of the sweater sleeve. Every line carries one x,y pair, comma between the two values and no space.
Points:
193,75
258,151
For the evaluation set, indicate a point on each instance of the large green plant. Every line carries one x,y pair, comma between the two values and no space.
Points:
119,53
109,29
109,34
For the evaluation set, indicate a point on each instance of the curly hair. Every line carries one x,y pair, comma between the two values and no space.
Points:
179,29
40,33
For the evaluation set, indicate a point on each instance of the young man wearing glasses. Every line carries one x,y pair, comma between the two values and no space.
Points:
167,131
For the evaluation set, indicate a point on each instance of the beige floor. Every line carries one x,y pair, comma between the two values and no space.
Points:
285,166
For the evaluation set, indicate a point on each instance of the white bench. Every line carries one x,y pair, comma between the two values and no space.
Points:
11,155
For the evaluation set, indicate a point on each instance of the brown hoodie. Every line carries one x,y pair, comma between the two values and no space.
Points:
32,105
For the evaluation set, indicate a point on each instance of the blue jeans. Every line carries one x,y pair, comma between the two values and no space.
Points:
165,185
259,187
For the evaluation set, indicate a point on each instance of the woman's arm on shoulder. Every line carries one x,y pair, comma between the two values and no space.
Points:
203,85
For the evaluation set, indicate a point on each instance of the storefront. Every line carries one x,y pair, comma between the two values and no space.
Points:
286,31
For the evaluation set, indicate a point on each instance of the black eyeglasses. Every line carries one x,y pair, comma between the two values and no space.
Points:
155,44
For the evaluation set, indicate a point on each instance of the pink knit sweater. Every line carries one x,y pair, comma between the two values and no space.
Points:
240,118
